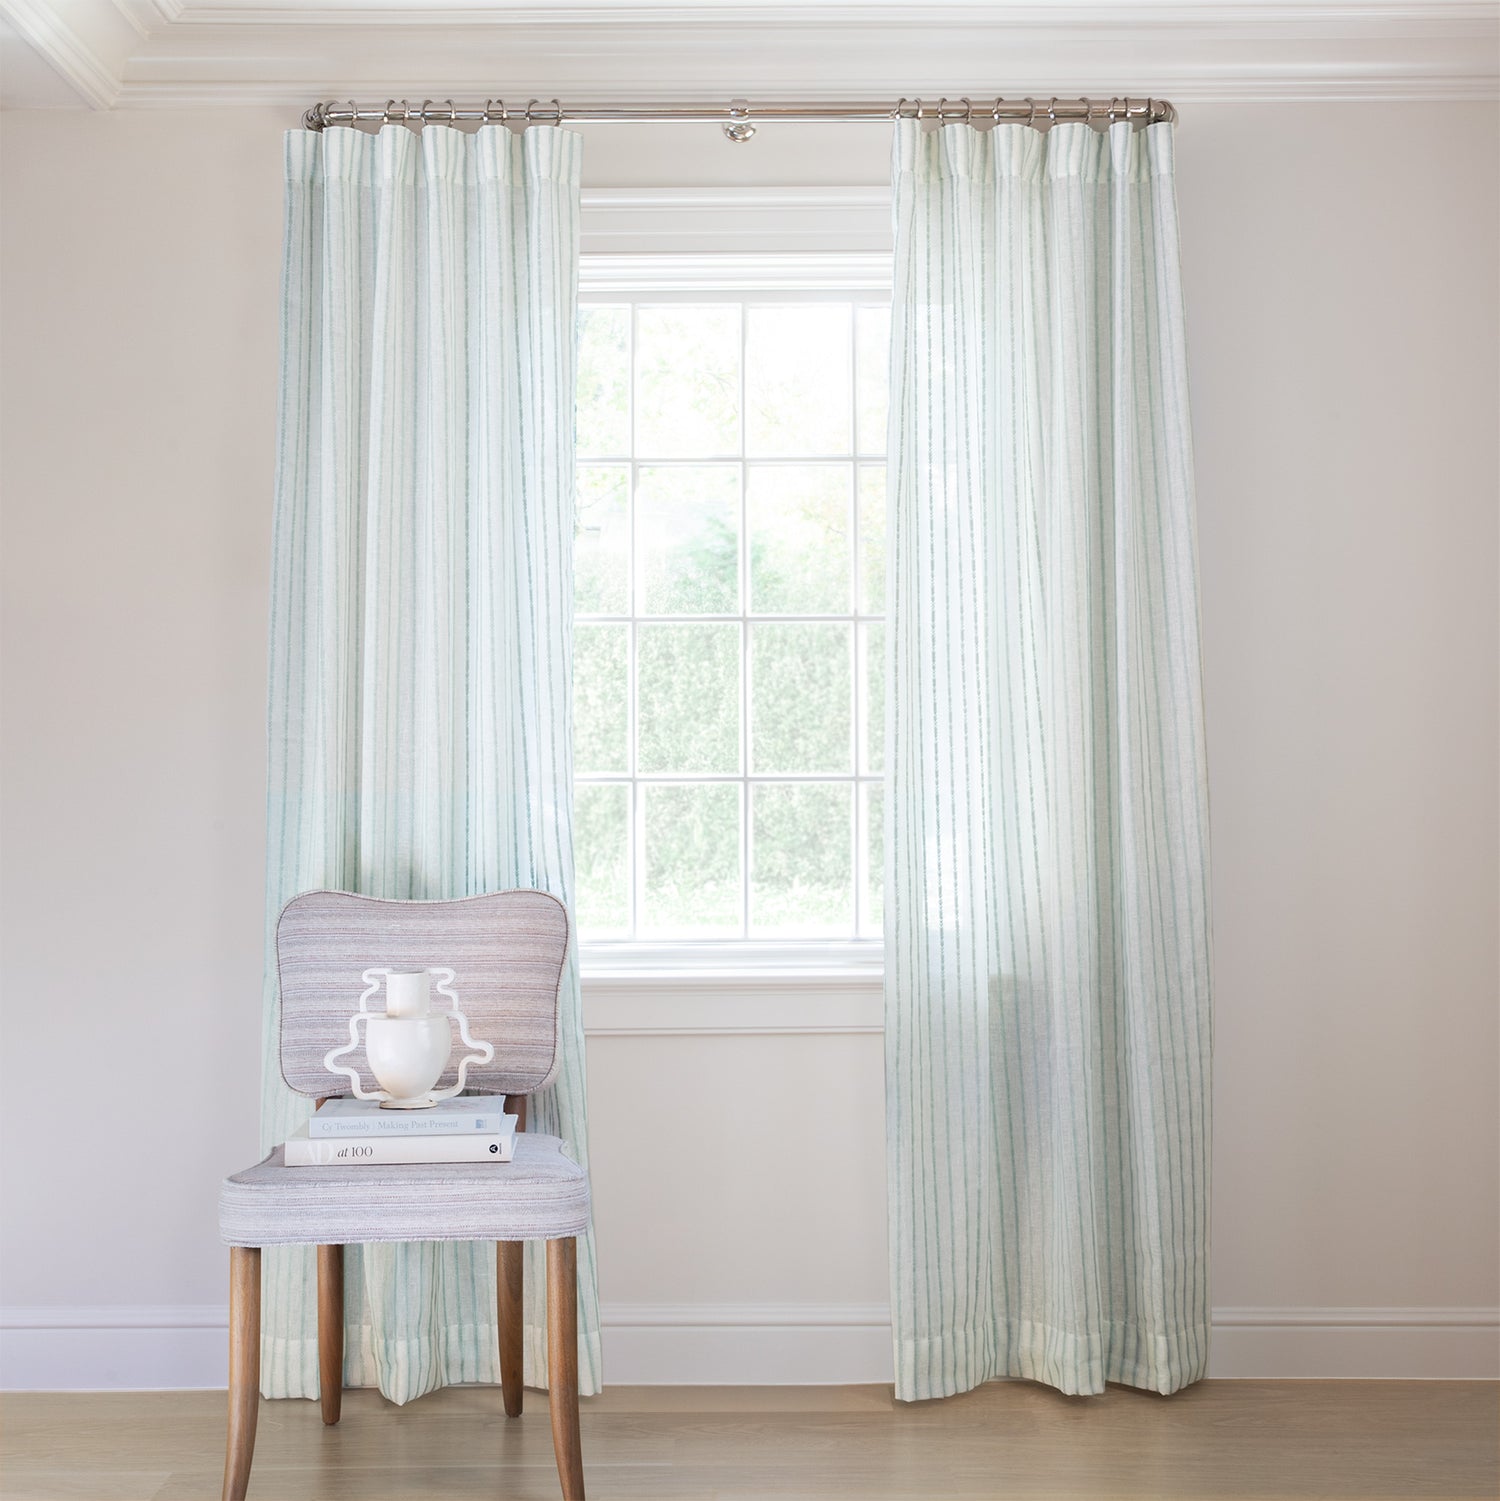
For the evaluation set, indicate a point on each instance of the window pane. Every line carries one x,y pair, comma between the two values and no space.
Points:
731,465
872,695
692,861
687,381
799,538
603,421
601,550
800,698
801,880
600,699
689,699
601,842
872,358
872,860
797,380
872,539
687,520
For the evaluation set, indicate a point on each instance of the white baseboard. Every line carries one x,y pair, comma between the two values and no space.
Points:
119,1348
1361,1343
660,1344
803,1344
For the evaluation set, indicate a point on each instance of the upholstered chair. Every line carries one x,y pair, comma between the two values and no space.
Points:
507,951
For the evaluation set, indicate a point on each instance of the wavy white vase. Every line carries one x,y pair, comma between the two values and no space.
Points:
408,1046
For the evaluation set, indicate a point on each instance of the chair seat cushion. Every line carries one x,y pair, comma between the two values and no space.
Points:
541,1194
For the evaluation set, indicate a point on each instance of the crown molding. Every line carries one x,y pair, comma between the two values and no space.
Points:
201,54
146,15
87,47
1271,16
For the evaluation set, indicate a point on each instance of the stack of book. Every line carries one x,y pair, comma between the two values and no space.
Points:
469,1128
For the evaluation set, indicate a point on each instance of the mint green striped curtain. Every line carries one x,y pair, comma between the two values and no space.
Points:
1047,991
421,633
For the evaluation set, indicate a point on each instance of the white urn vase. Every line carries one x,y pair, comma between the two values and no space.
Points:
408,1045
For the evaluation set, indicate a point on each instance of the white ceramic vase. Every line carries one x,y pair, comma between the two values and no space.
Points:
407,1046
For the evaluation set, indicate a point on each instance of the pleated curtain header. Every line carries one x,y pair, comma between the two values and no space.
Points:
494,153
954,152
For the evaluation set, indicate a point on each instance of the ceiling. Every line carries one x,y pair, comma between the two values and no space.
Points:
133,54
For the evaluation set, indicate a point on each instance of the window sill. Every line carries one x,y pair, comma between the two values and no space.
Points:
807,959
686,989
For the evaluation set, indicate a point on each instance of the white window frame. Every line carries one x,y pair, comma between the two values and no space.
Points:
639,987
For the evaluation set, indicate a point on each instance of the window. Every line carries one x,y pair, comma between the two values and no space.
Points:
729,635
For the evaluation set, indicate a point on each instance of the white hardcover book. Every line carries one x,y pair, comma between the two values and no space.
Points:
483,1115
303,1150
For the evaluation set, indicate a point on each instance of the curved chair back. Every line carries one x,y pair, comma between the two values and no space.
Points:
506,950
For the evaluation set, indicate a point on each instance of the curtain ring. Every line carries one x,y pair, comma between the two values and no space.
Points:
1052,110
1088,110
1031,110
452,111
942,107
531,104
995,109
968,105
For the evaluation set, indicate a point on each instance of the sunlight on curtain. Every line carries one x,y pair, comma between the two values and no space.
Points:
1047,977
421,634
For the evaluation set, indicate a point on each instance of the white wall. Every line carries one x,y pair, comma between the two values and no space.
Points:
1340,275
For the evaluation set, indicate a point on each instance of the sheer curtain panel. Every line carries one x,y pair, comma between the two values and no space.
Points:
421,634
1047,989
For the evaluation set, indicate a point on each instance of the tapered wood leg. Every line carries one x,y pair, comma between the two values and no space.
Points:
331,1330
510,1300
515,1104
244,1368
562,1363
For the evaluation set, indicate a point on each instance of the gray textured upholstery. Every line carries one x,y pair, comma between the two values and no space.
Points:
506,949
541,1195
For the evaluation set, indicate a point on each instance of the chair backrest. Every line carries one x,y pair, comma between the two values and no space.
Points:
506,950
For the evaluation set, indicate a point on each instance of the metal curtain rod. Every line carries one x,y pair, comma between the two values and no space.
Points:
739,116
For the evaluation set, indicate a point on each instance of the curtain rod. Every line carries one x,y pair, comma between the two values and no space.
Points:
739,116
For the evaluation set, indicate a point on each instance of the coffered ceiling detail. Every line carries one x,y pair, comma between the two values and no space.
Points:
105,54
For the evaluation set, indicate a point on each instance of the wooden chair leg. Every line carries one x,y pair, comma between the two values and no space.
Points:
331,1330
244,1368
562,1363
510,1300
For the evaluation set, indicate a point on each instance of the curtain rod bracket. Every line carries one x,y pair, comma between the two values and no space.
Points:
738,127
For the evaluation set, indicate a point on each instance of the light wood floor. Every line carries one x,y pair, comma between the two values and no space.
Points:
1251,1440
